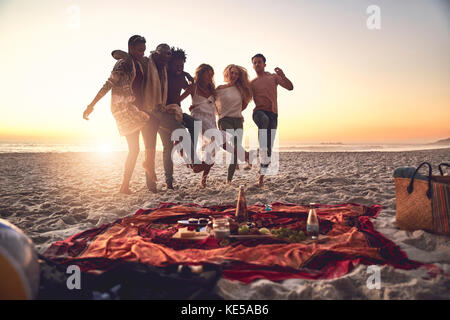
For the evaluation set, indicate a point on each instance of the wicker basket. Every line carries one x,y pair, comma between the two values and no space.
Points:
423,204
413,209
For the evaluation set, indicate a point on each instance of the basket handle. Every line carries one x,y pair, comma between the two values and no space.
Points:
440,169
411,184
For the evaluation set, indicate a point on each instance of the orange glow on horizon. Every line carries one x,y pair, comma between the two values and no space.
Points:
350,84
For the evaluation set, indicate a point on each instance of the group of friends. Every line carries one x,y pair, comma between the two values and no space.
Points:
146,96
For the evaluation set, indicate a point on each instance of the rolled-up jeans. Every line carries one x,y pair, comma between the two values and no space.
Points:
163,123
229,123
189,123
267,123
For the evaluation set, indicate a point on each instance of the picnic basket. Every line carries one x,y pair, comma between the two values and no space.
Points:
423,202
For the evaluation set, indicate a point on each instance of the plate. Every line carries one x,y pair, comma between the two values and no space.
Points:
201,235
321,239
195,224
249,236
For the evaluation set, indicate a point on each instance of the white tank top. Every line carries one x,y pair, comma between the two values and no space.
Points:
229,102
204,109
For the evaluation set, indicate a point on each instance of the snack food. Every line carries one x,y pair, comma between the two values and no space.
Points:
203,220
289,234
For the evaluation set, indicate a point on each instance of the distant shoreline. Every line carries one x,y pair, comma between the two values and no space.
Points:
280,151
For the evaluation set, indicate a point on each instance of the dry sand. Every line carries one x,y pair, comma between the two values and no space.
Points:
51,196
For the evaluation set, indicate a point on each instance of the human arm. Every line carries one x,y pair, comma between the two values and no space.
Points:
187,92
103,91
119,54
222,86
112,81
283,80
188,77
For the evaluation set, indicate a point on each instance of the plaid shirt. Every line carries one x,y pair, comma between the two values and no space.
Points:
128,117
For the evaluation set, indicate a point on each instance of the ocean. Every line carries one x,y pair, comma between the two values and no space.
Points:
16,147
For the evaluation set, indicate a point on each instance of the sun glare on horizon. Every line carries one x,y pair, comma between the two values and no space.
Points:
351,83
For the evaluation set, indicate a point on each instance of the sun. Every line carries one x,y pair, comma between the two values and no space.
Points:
104,148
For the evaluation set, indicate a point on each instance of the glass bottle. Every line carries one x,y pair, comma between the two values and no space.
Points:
312,225
241,207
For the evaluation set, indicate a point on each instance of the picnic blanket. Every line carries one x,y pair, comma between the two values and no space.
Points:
146,237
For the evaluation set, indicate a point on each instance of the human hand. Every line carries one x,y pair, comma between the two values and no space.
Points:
279,72
87,112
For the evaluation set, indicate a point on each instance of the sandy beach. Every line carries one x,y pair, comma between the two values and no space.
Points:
51,196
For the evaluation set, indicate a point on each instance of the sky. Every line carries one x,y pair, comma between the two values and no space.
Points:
351,83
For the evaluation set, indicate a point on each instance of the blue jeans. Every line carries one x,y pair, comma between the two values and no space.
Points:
267,123
164,123
188,122
228,123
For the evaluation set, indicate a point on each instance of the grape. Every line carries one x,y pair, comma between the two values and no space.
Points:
244,229
287,234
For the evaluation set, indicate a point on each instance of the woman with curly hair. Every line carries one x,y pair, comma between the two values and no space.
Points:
231,99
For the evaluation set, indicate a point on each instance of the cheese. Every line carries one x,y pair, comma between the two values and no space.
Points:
188,234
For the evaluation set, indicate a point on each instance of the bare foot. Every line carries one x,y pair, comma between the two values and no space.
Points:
151,184
152,187
151,172
261,180
125,190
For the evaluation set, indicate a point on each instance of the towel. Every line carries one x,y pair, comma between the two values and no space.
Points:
156,92
155,97
155,88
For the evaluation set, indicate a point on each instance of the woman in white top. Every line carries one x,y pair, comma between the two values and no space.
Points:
231,99
203,106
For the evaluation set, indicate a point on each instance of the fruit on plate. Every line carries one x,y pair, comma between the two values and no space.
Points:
289,234
245,229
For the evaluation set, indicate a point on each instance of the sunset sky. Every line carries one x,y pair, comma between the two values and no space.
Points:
351,84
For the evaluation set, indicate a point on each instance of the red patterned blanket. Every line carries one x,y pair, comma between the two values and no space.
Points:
146,237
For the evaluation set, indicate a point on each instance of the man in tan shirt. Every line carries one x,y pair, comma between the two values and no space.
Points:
265,114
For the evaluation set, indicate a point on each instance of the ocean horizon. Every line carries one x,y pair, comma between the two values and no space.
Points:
34,147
